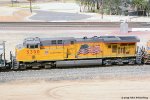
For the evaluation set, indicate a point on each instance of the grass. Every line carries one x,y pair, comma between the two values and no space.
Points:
70,1
14,5
36,7
23,6
33,7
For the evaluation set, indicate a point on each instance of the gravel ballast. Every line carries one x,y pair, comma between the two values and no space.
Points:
59,74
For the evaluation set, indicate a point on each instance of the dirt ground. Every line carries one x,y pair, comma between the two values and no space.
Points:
76,90
17,16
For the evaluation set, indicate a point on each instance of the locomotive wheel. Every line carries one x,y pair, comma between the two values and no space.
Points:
22,67
131,62
119,62
48,66
36,65
107,62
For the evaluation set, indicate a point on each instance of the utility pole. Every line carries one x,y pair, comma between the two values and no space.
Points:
102,6
12,2
31,6
148,7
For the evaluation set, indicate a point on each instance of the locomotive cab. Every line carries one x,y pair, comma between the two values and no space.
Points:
28,49
44,51
32,43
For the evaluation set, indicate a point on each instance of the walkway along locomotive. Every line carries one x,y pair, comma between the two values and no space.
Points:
68,51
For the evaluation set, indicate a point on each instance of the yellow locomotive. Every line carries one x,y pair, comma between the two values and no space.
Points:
69,51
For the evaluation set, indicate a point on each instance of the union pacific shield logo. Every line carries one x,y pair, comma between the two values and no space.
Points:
85,49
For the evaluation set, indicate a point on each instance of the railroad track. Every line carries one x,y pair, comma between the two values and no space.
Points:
77,73
72,24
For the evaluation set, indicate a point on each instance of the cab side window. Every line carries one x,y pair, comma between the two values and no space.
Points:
59,42
33,46
36,46
28,46
72,42
53,42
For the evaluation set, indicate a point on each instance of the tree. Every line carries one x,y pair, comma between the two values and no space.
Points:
140,5
115,7
147,6
148,10
112,6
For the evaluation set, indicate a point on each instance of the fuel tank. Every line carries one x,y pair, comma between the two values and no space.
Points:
73,63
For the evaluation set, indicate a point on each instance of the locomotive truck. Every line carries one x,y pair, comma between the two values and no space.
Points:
69,51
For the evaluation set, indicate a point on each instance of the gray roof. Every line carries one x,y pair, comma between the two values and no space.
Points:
106,39
113,39
120,39
57,38
47,41
35,40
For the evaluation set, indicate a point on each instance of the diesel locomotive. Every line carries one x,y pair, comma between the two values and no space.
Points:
69,51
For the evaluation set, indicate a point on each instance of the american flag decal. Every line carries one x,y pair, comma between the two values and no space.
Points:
85,49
